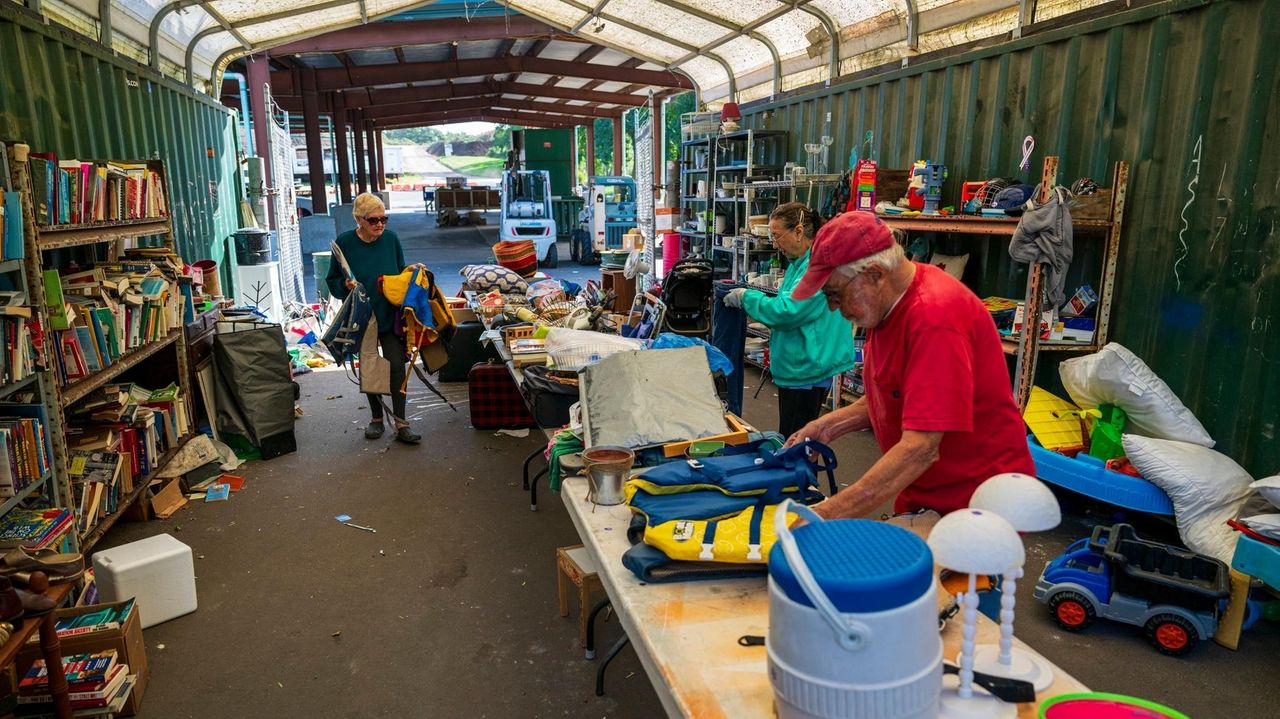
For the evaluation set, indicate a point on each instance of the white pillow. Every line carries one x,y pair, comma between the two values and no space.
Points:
951,264
1207,488
1114,375
1269,488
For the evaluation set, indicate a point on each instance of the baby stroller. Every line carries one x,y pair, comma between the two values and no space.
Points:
687,294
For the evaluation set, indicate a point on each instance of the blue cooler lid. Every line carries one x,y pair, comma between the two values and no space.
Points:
862,565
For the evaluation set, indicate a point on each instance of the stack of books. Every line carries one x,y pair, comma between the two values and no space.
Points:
100,314
19,328
98,681
528,351
110,617
34,528
12,239
25,454
117,435
75,192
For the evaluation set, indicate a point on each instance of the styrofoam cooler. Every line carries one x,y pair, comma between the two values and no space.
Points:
158,571
853,621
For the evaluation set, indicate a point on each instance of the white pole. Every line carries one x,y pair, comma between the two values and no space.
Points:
1008,596
970,630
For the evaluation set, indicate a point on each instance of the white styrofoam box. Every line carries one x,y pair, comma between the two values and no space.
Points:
158,571
259,286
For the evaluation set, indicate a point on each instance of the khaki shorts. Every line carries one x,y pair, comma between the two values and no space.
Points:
919,522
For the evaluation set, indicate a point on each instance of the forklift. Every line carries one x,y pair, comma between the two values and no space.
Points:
526,212
609,211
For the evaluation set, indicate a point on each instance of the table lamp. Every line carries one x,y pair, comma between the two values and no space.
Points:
1027,504
973,541
729,117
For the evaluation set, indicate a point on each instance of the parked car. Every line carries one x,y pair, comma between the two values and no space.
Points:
1173,594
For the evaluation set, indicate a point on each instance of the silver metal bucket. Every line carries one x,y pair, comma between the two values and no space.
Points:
607,471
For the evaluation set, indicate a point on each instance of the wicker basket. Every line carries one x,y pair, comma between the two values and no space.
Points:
697,125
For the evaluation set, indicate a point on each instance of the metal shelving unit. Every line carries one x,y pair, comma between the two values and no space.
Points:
56,400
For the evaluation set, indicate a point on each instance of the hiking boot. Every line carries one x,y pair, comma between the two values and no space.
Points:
374,430
407,435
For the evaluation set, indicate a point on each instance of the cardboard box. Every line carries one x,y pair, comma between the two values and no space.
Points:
127,641
665,218
463,314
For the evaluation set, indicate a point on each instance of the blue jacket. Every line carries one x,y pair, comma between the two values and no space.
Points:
808,343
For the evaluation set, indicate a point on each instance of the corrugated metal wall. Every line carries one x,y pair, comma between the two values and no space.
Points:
62,93
1187,93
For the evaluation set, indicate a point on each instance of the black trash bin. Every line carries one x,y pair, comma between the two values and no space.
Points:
254,246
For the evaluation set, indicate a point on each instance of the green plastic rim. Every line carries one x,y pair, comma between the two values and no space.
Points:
1105,696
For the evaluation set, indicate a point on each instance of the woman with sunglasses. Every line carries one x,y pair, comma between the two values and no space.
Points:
808,345
372,251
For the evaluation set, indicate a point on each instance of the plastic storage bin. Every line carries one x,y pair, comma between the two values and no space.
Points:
158,571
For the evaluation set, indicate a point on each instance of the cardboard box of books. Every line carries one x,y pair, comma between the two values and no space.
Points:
97,628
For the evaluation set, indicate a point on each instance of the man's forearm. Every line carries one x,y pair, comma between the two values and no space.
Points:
892,473
851,418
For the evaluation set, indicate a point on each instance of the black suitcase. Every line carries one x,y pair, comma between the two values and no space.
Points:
549,395
466,351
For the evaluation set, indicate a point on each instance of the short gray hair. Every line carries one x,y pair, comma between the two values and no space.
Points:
888,258
365,203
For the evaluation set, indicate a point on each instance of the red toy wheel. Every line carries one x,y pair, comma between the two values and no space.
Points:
1172,634
1072,611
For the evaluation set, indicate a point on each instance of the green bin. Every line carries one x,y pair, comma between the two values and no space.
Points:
564,210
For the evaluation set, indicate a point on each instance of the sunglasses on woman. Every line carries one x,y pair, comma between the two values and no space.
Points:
376,220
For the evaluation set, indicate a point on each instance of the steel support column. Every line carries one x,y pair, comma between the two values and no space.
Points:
258,74
382,163
357,132
315,149
617,145
375,168
341,152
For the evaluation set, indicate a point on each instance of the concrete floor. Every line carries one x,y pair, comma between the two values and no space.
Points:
449,610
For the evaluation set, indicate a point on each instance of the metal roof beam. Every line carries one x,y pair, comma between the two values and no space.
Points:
788,6
445,118
510,116
599,8
392,73
913,25
285,14
483,102
401,95
832,32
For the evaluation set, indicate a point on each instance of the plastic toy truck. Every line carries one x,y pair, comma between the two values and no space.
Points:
1173,594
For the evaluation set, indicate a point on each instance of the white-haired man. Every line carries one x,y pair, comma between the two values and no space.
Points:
938,395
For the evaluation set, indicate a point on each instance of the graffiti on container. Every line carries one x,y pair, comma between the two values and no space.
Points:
1191,188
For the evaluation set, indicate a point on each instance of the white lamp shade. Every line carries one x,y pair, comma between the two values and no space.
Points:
1022,500
976,541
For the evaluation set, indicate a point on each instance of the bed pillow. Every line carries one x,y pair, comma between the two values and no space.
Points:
1269,488
951,264
1206,487
1114,375
485,278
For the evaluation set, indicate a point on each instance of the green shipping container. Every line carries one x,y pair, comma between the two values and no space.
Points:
551,150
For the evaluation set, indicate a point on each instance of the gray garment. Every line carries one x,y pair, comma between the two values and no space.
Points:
1044,235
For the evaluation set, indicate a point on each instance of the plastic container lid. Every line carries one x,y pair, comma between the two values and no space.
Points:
862,565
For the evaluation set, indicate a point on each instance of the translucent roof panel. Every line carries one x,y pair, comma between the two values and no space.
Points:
610,86
644,45
788,33
559,13
666,20
235,11
572,82
611,58
706,72
844,13
744,54
738,12
476,50
561,50
300,25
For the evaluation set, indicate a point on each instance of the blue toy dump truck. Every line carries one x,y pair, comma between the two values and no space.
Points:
1173,594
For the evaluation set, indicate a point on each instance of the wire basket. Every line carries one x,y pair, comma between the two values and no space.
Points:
573,357
555,311
697,125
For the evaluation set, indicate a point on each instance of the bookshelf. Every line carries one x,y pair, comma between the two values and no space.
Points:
144,332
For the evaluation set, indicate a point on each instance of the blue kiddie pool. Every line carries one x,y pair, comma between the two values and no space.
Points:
1089,476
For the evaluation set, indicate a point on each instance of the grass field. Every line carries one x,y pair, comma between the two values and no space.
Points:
474,166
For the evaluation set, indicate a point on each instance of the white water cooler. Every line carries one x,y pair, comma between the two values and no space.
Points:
853,621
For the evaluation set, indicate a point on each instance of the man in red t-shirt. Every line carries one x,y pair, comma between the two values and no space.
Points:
937,387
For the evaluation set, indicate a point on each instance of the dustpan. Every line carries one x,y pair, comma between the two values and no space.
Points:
1056,423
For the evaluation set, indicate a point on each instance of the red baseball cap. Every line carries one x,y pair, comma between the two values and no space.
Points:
847,238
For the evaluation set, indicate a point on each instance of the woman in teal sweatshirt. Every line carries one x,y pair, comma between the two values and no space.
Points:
372,251
808,345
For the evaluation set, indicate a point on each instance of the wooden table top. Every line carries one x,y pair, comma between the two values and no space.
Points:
18,639
685,633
